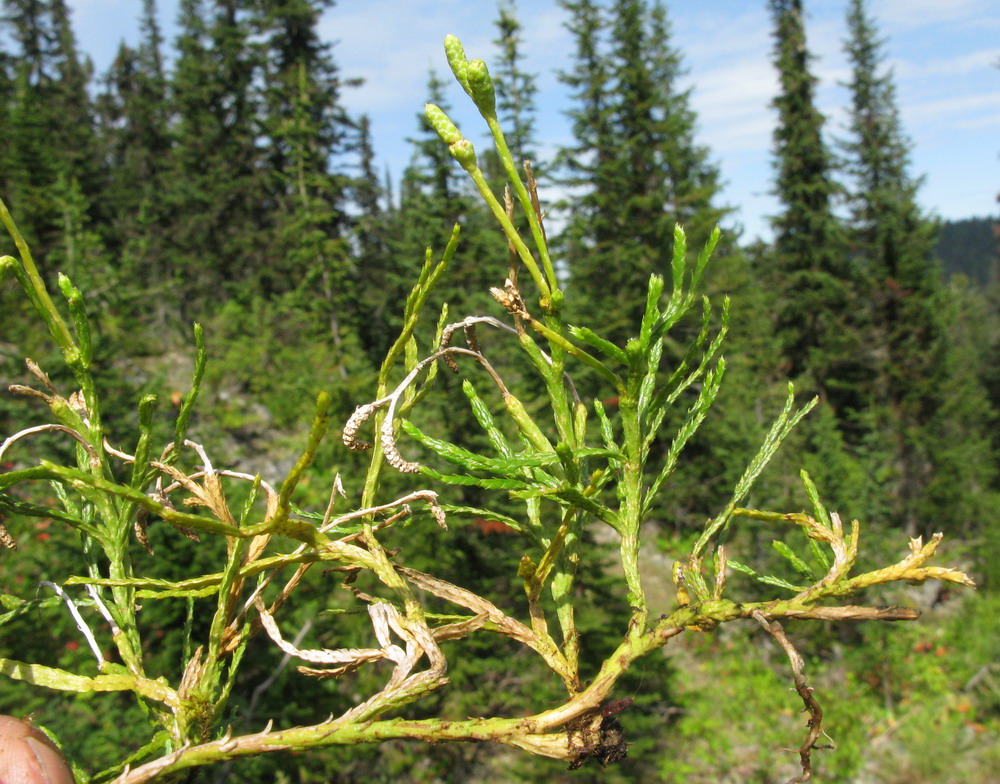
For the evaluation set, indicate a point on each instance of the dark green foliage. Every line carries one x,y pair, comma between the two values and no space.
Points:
217,182
7,93
892,241
920,387
70,104
137,145
892,245
969,247
811,269
306,127
50,139
370,241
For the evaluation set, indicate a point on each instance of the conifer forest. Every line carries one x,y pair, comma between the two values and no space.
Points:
512,466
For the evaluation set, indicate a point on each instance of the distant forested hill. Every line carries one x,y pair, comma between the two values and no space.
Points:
970,247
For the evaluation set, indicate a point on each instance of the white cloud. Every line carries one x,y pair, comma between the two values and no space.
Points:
732,104
958,109
709,34
921,13
959,65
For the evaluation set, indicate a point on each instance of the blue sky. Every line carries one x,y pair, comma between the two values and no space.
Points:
944,54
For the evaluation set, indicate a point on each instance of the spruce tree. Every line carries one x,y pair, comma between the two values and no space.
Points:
75,136
636,171
136,137
7,96
217,187
306,128
811,273
893,240
922,390
50,128
371,248
635,158
30,164
369,193
590,163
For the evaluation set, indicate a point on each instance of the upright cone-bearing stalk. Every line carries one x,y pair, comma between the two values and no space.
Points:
442,123
481,88
455,53
463,152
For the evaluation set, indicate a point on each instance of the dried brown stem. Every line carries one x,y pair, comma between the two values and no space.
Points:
815,722
512,265
851,612
40,374
533,190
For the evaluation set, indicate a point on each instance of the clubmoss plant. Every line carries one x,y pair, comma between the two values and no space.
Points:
572,466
